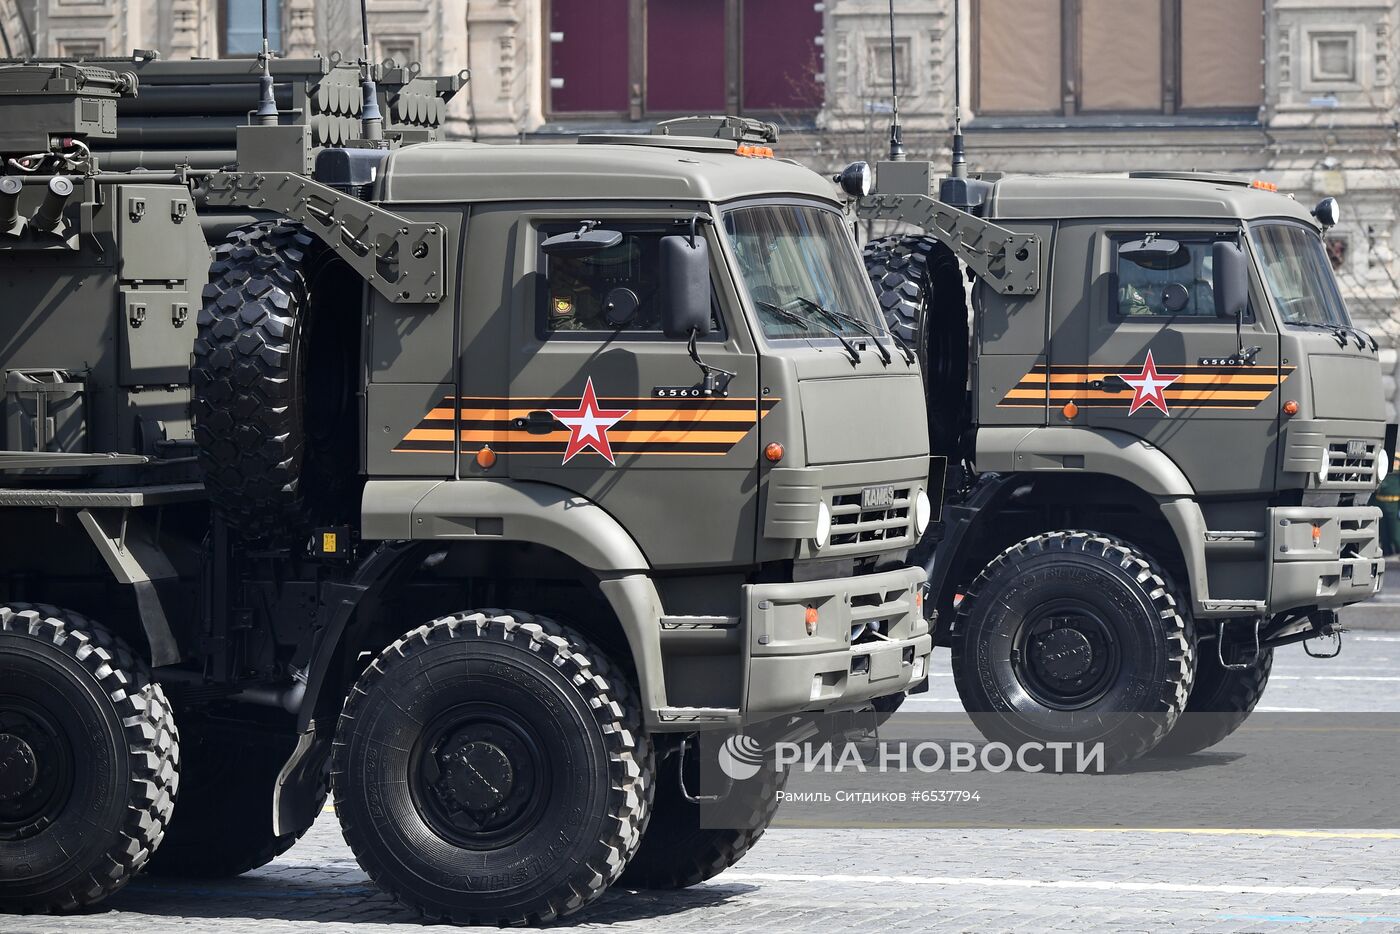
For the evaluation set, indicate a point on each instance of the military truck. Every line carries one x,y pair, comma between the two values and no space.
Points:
468,483
1162,432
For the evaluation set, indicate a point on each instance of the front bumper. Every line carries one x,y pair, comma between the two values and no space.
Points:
1324,557
792,670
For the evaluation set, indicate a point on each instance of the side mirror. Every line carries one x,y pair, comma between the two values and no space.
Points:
583,242
1229,279
685,287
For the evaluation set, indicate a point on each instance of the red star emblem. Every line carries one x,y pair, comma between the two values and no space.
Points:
588,425
1148,386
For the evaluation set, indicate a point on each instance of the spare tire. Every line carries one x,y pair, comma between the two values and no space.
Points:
275,419
920,287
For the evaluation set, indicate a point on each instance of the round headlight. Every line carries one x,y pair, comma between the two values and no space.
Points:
1382,464
823,526
923,512
856,179
1326,465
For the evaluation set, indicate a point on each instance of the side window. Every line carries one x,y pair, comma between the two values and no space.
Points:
613,290
1163,276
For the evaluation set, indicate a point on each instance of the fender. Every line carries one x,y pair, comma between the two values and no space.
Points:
503,510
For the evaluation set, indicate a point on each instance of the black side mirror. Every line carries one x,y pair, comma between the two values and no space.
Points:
583,242
1229,272
685,286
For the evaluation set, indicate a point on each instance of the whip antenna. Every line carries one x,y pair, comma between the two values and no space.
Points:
267,104
896,131
371,122
959,153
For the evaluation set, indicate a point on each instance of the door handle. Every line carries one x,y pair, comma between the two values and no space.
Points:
536,423
1111,383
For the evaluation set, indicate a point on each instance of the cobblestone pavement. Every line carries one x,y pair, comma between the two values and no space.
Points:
906,880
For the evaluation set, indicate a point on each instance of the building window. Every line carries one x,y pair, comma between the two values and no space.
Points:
1117,56
86,49
1333,57
240,27
658,58
401,50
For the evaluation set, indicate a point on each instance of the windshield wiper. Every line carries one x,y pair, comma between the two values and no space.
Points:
855,323
803,323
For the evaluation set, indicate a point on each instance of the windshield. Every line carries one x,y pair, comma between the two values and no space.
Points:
801,272
1298,275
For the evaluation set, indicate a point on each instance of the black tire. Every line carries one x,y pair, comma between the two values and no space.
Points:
920,287
1074,636
89,761
676,851
1221,700
274,409
547,742
222,826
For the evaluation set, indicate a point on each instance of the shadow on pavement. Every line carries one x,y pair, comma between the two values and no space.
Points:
348,897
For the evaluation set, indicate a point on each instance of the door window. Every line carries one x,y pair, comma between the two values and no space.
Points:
613,290
1156,283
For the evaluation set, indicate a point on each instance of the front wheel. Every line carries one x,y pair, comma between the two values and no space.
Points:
492,768
1073,637
89,761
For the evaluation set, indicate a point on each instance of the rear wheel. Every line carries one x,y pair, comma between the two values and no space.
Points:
677,851
89,761
223,822
1221,700
1073,637
491,768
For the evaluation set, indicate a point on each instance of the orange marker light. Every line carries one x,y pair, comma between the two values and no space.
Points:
1262,185
774,452
486,458
1316,534
811,620
1070,409
1290,407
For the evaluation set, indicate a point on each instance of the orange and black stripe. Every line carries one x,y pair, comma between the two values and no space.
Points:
686,427
1198,386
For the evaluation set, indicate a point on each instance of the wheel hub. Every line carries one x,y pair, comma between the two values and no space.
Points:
1062,654
19,770
1066,656
480,778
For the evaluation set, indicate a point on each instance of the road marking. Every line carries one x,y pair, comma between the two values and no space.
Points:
1334,678
1288,710
801,824
1099,885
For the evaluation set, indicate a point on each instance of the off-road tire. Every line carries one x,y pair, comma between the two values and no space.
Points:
919,284
1221,700
222,826
274,458
121,768
510,660
677,852
1105,578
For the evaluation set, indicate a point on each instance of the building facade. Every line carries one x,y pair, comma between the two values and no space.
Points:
1298,92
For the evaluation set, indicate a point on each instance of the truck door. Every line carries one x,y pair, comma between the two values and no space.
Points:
603,404
1162,366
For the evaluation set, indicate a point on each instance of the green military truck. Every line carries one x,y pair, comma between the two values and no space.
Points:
468,483
1163,431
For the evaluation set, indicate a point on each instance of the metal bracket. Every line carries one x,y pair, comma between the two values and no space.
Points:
1220,646
403,260
1009,262
686,793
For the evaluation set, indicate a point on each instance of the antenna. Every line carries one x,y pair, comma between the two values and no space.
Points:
371,121
267,104
959,153
896,131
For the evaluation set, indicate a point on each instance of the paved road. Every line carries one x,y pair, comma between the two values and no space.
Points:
910,880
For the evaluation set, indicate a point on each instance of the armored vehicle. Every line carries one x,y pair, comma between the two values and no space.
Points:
470,483
1163,431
